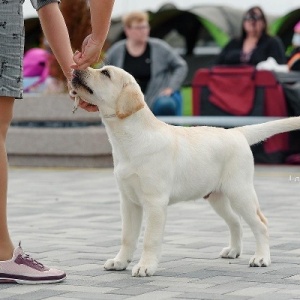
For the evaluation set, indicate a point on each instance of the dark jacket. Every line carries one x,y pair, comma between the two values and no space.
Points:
266,47
294,60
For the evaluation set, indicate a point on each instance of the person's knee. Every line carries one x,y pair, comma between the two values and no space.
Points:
6,114
164,106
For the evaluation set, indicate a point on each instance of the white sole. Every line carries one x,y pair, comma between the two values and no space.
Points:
22,281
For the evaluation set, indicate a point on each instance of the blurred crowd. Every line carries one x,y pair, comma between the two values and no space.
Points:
157,67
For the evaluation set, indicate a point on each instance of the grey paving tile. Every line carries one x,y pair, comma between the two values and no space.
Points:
136,290
37,295
70,219
205,296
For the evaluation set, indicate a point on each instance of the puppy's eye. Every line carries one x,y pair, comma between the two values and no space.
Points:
105,73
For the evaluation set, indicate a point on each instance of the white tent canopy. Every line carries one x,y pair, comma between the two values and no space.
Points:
123,6
28,10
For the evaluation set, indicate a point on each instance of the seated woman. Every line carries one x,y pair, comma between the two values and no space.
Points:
158,69
254,45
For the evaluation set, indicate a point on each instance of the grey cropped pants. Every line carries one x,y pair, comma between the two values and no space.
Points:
11,48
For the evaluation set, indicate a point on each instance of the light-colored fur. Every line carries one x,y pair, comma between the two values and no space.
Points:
156,164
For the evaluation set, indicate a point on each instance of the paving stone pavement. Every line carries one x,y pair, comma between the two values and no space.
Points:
70,218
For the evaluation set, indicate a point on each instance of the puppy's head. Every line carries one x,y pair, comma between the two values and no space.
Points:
112,89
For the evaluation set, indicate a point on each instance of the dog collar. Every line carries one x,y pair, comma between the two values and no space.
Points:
109,116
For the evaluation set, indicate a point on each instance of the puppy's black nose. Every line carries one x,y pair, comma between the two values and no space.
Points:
73,93
79,80
76,73
82,74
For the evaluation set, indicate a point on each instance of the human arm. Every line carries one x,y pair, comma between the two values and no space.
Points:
276,50
178,74
56,33
175,66
220,59
167,91
268,46
92,45
115,55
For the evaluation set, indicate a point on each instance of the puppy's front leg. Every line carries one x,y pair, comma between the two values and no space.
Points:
132,215
155,224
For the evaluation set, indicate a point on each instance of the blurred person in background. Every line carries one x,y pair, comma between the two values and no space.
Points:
35,70
294,59
158,69
254,45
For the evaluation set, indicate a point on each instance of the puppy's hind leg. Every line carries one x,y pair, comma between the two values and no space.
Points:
132,215
244,202
222,206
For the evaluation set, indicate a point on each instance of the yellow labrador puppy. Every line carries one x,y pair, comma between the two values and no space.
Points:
156,164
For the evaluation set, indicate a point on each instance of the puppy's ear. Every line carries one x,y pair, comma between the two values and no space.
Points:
130,101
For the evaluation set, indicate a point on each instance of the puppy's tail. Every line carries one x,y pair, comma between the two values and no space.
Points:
260,132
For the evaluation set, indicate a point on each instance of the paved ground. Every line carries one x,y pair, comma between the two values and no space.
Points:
70,218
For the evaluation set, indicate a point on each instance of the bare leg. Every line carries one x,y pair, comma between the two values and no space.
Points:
6,110
132,215
246,205
222,206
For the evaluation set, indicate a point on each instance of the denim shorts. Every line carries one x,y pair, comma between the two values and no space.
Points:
11,48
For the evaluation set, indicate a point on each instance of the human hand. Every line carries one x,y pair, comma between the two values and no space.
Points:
90,53
166,92
78,102
87,106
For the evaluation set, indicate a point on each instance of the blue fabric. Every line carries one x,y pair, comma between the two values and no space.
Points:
168,105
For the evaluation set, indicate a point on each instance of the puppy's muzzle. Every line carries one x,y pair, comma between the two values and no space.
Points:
79,80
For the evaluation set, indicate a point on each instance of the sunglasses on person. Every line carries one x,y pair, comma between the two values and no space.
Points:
252,17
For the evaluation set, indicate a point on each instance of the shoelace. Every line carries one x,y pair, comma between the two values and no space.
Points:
29,258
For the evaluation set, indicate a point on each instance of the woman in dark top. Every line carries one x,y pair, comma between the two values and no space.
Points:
254,45
294,58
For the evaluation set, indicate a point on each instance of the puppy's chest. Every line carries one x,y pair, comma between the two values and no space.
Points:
124,171
129,182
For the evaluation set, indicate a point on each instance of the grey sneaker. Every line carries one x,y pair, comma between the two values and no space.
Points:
21,268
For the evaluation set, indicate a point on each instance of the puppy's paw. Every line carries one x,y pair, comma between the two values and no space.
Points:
117,265
260,261
230,252
143,270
